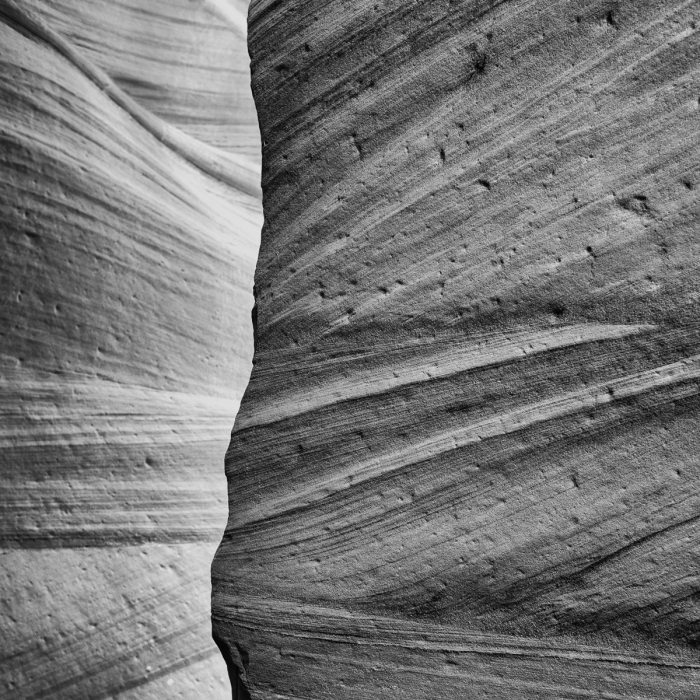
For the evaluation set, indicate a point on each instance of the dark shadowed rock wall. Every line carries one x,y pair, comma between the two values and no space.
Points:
130,224
466,464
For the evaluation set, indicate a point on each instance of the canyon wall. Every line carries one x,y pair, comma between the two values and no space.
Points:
466,462
131,216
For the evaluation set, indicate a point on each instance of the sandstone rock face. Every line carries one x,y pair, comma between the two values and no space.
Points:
466,462
130,220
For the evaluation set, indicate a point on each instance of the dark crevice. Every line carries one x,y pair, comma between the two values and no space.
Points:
239,691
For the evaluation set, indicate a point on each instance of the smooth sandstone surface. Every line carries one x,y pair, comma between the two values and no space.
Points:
130,224
466,462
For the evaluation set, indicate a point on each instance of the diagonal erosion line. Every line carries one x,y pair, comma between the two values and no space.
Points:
233,170
101,674
496,426
175,642
455,358
97,412
315,622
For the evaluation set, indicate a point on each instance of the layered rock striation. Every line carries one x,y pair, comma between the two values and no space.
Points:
466,461
130,216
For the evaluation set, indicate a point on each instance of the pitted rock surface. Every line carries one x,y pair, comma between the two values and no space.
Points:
466,461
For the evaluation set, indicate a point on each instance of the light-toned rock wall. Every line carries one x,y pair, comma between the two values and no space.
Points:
130,224
466,464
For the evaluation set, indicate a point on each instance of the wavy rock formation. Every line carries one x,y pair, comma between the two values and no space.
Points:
466,463
131,215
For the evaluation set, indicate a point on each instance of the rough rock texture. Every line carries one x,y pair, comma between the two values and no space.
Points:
466,464
130,224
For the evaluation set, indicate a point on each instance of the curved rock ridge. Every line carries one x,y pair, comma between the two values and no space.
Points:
131,219
465,464
184,61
